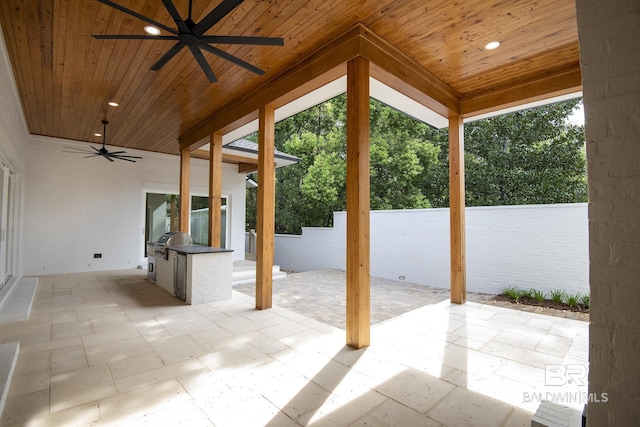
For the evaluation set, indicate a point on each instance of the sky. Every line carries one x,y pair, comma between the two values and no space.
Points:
577,118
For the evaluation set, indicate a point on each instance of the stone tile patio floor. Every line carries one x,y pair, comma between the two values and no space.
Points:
321,295
113,349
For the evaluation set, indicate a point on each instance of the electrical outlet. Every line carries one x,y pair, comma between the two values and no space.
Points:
401,277
97,255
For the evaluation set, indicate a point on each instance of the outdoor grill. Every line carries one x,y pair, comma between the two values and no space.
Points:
172,238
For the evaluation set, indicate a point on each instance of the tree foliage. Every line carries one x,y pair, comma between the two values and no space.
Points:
532,156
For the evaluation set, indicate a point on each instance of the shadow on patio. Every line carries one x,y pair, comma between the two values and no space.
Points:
111,348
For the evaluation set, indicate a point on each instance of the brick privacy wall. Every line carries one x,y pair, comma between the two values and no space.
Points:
539,246
609,34
76,207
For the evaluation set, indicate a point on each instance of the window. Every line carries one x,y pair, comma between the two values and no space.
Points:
200,221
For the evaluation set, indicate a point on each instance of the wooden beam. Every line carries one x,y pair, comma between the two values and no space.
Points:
456,211
392,67
326,64
358,185
247,167
215,190
185,185
553,83
265,223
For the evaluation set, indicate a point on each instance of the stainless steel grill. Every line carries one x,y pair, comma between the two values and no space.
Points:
172,238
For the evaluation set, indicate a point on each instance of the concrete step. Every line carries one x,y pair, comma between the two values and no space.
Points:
16,299
245,272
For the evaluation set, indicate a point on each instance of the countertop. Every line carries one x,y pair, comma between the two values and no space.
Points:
197,249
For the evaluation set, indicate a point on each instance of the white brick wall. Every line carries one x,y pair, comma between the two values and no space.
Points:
76,207
539,246
609,34
210,277
13,145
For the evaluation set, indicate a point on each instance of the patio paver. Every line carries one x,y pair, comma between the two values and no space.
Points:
231,365
321,295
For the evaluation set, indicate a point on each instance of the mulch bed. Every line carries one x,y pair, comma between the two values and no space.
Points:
544,304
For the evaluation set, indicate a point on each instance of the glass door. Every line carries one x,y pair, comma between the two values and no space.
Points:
7,183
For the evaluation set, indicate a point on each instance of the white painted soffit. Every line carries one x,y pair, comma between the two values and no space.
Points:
382,93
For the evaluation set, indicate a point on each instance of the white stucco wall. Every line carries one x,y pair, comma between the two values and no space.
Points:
539,246
77,206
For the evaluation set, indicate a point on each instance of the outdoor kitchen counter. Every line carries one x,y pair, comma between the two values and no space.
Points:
202,273
198,249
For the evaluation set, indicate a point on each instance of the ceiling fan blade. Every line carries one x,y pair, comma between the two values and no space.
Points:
224,55
167,56
97,151
203,63
215,15
137,15
106,156
171,8
111,153
131,37
263,41
93,155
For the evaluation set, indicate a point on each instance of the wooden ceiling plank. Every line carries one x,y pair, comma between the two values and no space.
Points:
20,67
517,71
442,40
64,86
28,91
45,13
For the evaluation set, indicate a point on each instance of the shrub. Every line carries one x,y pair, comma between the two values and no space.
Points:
557,295
538,295
574,300
512,292
526,293
584,300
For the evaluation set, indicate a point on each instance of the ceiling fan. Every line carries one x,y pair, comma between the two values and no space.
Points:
103,151
191,35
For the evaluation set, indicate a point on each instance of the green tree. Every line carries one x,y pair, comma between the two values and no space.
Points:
531,156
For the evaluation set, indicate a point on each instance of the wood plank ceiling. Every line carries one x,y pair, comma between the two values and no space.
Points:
65,77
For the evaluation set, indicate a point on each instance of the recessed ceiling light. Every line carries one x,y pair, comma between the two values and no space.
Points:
97,134
113,104
151,30
492,45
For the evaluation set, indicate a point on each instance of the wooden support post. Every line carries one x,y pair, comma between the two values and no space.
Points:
185,185
358,251
265,223
456,211
215,189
